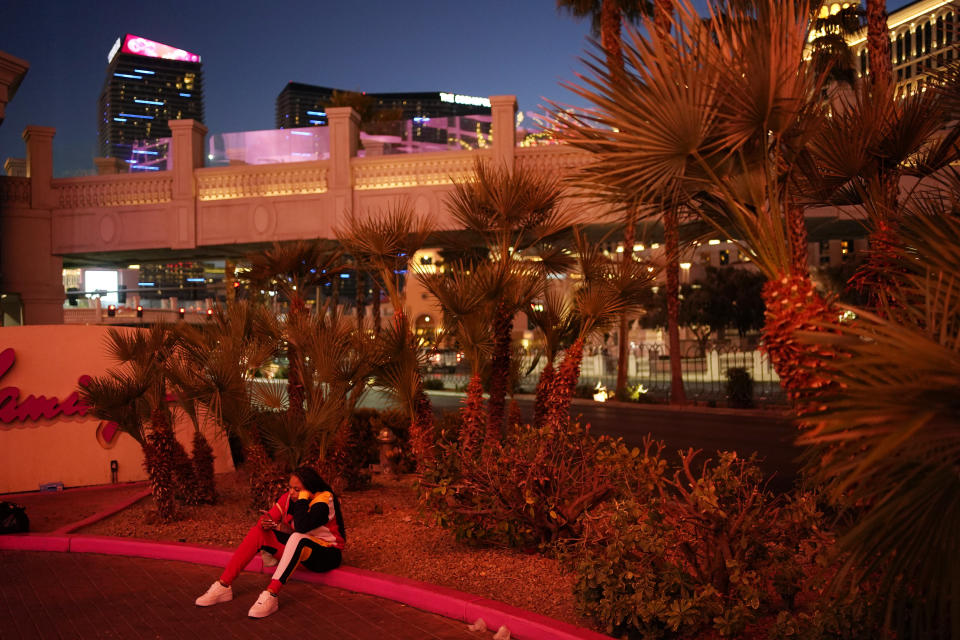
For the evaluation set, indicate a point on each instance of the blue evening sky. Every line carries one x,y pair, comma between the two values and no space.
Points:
251,49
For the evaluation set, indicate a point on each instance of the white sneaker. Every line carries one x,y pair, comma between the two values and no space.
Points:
216,594
269,560
266,604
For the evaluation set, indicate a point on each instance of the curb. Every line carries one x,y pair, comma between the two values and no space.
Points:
102,515
449,603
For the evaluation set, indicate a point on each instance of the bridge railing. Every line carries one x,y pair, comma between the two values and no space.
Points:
113,190
262,180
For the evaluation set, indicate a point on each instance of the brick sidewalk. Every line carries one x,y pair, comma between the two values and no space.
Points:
81,596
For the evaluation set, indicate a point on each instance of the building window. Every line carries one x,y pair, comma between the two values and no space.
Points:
927,38
949,27
724,257
940,31
824,250
909,70
846,249
907,45
900,48
863,62
919,34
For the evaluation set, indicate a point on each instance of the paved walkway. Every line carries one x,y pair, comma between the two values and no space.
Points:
80,596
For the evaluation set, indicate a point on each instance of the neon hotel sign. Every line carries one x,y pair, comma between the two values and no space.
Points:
150,49
34,408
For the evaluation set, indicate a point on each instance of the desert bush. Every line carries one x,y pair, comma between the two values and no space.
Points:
739,388
709,552
535,488
433,384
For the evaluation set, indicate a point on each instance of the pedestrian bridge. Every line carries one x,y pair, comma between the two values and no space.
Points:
192,210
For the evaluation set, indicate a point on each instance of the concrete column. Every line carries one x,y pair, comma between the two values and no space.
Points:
373,148
12,70
27,264
15,167
504,110
186,155
110,166
344,125
40,166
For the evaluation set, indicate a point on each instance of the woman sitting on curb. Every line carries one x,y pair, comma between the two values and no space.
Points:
305,526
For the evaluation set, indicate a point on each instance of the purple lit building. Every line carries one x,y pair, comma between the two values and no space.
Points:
147,84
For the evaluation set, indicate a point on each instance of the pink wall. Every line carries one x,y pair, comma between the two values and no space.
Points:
49,361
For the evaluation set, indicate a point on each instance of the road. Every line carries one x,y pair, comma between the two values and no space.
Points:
766,433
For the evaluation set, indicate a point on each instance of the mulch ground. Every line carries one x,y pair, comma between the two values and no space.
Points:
51,511
386,531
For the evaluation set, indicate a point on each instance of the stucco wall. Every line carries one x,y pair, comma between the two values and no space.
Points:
49,361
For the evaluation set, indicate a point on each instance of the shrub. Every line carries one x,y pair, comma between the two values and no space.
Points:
433,384
534,489
708,552
739,388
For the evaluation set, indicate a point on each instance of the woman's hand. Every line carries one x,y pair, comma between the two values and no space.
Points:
283,527
267,522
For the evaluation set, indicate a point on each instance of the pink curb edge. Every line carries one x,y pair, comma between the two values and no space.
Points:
450,603
106,513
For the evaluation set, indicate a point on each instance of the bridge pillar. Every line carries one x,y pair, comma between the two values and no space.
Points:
187,155
27,264
504,110
344,125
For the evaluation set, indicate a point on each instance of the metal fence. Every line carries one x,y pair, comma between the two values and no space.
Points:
648,372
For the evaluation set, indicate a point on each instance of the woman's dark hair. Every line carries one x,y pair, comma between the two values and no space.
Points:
314,483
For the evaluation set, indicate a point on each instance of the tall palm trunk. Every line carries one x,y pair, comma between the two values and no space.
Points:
793,305
472,416
563,386
159,455
610,36
623,352
672,247
662,16
878,46
797,231
499,372
295,393
375,306
203,469
542,402
334,294
361,299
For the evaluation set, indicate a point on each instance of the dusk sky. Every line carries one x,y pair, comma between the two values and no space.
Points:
251,50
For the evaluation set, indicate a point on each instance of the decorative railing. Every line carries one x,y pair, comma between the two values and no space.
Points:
14,190
414,170
557,158
114,190
263,180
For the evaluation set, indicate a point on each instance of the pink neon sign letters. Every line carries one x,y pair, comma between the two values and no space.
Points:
143,47
33,408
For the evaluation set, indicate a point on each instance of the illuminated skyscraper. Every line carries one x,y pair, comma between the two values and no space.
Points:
303,105
147,84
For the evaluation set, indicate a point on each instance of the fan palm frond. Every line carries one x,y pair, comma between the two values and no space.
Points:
386,240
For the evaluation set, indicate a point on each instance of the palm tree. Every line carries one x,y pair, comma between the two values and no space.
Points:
608,289
293,269
511,212
215,368
554,318
387,242
710,119
462,295
878,47
607,17
888,436
134,395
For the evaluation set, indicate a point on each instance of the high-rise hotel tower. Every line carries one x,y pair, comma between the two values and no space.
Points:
147,84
